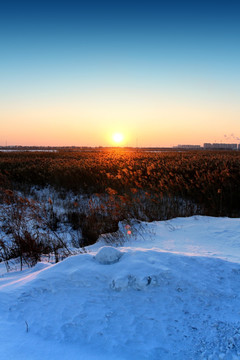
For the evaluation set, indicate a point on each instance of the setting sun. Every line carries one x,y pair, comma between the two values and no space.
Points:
118,138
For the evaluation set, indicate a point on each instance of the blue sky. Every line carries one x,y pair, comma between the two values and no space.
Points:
156,71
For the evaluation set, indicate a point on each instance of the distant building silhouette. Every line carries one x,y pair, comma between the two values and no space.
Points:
221,146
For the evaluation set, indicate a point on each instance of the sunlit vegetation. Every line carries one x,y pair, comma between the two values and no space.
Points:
210,179
117,185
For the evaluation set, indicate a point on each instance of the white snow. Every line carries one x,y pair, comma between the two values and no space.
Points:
108,255
174,294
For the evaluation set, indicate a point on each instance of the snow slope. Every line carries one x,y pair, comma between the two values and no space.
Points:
171,292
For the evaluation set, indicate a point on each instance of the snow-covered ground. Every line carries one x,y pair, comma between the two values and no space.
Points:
172,291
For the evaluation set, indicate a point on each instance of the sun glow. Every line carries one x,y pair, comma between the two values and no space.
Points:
118,138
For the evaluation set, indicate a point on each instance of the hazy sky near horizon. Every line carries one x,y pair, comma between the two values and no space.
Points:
161,72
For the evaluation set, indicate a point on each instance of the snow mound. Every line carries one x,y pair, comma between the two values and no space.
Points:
108,255
174,295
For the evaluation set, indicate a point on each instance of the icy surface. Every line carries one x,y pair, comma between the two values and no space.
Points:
174,294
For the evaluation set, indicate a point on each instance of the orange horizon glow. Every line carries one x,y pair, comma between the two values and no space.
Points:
143,122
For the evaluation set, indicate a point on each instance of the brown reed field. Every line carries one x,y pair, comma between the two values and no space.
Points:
116,185
210,179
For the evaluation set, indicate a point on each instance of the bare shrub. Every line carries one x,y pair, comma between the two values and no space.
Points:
23,221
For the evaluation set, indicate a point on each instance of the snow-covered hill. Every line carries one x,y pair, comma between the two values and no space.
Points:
171,292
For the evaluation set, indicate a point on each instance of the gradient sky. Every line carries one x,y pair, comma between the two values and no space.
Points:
162,73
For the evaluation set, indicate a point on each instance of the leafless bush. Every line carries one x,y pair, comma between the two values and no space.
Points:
23,221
